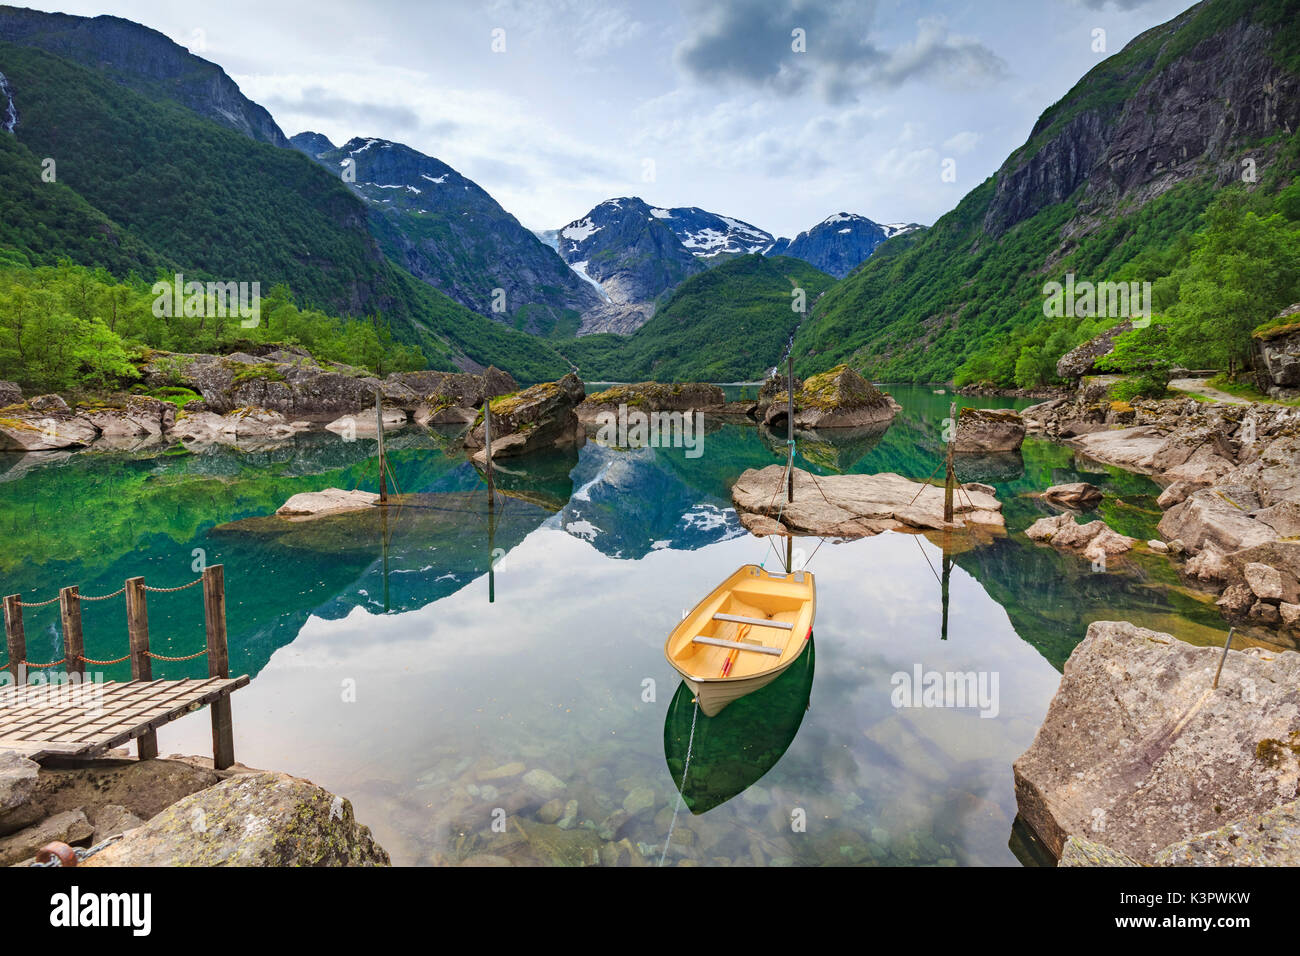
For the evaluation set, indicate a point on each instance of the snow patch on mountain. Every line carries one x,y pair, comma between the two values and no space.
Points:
581,269
579,231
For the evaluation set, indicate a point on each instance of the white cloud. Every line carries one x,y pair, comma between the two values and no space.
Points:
961,143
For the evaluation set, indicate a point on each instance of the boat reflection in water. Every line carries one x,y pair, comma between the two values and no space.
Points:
733,750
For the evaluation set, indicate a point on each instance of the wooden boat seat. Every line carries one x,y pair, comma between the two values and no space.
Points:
738,645
759,621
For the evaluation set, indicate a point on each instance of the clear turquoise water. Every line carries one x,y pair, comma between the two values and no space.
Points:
387,675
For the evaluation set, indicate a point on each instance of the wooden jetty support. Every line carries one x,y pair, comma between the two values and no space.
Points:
77,717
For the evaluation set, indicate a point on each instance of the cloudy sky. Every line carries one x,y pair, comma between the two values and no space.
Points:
556,105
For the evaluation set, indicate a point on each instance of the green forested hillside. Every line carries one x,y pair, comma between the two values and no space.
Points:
731,323
163,189
72,328
965,300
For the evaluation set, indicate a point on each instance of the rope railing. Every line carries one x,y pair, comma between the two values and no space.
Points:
139,653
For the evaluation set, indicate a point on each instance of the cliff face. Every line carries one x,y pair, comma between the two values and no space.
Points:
145,60
1164,110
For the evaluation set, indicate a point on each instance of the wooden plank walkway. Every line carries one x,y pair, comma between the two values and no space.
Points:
72,716
76,719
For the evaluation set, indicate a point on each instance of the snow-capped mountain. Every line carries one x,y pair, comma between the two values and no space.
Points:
631,254
839,243
446,230
709,235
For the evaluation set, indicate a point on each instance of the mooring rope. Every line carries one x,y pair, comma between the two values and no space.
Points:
681,797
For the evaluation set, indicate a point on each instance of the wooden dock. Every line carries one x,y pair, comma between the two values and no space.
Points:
73,716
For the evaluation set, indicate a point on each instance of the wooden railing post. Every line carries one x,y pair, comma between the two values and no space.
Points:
15,640
214,614
137,625
73,647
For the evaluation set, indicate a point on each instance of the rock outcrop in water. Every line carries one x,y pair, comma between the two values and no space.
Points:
855,506
1232,495
1139,751
543,416
838,398
1095,540
985,430
247,398
653,397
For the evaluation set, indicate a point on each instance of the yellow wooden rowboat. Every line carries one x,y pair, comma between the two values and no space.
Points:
743,635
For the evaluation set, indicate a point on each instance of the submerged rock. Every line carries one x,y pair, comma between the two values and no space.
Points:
854,506
329,501
1138,750
1080,495
252,819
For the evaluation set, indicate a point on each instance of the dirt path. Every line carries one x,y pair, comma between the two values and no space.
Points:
1197,386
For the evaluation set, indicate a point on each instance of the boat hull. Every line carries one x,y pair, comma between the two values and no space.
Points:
713,696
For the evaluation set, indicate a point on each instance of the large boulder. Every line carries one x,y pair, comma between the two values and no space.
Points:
653,397
43,424
1277,353
1211,518
142,787
1082,360
17,785
1132,449
241,425
69,826
854,506
454,389
1271,838
1137,749
10,394
253,819
295,385
543,416
983,430
839,398
141,416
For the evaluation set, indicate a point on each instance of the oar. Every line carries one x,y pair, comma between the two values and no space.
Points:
731,658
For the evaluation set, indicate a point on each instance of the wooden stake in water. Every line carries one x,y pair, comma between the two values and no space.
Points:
951,476
379,423
789,427
487,452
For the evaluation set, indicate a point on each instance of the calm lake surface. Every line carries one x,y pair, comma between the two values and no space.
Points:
389,666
